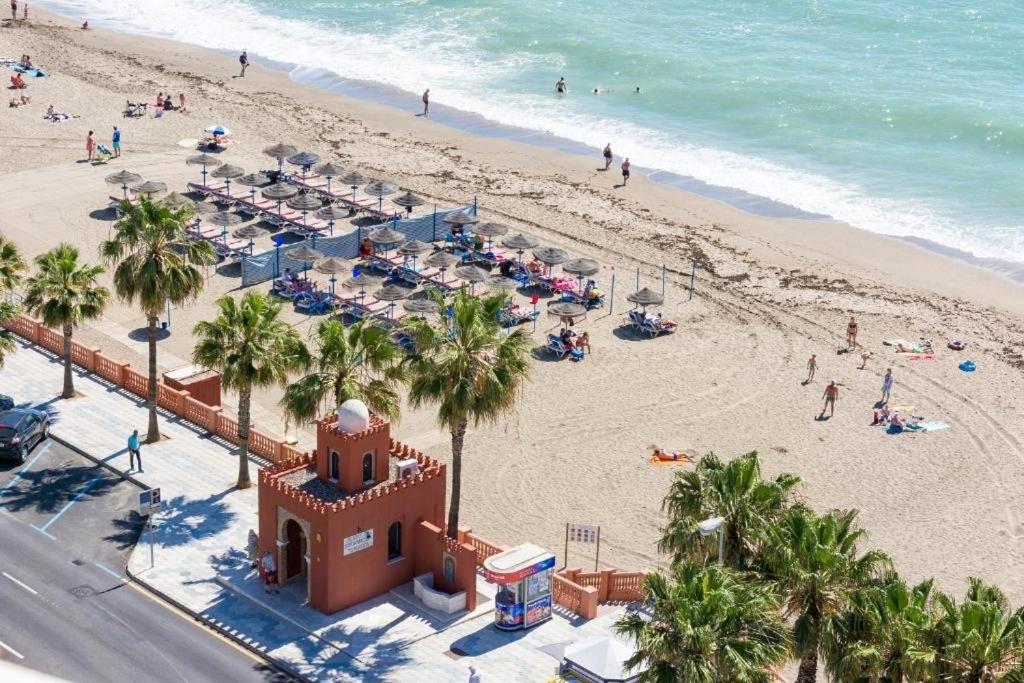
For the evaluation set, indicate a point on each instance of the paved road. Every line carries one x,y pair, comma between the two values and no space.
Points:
66,528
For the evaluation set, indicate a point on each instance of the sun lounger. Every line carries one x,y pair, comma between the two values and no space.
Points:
314,302
656,326
516,315
557,346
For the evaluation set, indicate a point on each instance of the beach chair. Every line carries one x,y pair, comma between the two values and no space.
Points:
515,315
635,318
103,155
656,326
557,346
313,302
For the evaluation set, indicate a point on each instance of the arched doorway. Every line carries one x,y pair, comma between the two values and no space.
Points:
295,559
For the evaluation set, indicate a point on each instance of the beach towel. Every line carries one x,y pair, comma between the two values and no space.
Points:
667,463
921,356
933,426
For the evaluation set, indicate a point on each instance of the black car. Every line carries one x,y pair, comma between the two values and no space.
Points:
21,429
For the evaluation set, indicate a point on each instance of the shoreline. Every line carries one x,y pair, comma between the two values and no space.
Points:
769,293
470,123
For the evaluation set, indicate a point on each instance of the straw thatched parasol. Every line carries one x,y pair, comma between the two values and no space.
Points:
472,274
333,213
386,235
331,265
124,179
551,256
303,159
420,306
409,200
250,232
379,188
279,192
646,297
392,293
150,187
304,253
204,208
491,229
176,200
414,248
461,218
520,242
567,311
442,260
253,180
501,282
225,218
581,267
330,170
228,171
204,160
305,202
280,151
362,281
353,178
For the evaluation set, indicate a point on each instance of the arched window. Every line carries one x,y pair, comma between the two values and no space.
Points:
395,541
448,567
335,465
368,468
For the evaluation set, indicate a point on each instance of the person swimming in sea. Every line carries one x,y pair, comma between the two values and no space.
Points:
561,86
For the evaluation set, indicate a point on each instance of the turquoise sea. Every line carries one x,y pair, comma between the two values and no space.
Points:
903,117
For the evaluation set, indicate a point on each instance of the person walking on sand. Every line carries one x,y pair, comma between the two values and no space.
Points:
181,102
830,396
812,365
90,145
864,356
607,156
426,101
625,172
115,142
269,572
851,333
243,59
14,10
134,451
887,385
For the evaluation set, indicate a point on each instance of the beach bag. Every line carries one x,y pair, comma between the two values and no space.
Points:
968,366
956,345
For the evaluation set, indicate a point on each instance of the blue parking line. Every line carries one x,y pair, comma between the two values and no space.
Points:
109,571
23,470
81,492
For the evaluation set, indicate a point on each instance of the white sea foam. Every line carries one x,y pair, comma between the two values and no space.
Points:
413,58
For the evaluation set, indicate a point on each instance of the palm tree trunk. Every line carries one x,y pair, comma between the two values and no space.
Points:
808,672
153,434
69,386
458,439
244,396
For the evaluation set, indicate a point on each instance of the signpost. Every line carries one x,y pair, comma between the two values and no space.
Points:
150,501
583,533
357,542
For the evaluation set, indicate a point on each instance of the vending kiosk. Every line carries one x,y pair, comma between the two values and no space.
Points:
524,576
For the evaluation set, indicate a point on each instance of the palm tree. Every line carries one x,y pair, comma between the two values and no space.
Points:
884,635
360,361
815,563
252,348
155,264
470,367
732,490
11,266
979,640
64,293
708,624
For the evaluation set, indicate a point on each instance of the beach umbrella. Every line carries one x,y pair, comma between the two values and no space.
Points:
414,248
331,265
442,260
250,232
472,275
353,179
391,294
225,219
227,172
461,218
305,203
217,130
252,181
379,188
124,179
203,160
520,242
280,151
279,192
490,229
409,200
501,282
362,281
551,256
581,268
176,200
204,208
150,187
567,311
386,235
303,159
330,170
331,213
421,306
304,253
646,297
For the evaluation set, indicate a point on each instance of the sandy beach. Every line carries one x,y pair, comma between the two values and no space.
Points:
769,293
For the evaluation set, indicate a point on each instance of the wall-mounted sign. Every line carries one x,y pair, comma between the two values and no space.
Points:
357,542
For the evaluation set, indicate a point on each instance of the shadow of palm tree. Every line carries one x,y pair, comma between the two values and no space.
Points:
47,491
186,520
127,530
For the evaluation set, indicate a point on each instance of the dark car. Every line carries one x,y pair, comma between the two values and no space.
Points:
21,430
6,402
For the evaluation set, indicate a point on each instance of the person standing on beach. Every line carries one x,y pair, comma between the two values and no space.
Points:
14,10
830,396
243,59
24,13
90,145
426,101
851,333
561,86
625,172
607,156
115,142
812,365
134,451
269,572
887,385
181,102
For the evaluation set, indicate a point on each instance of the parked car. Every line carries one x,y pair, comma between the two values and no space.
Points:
21,430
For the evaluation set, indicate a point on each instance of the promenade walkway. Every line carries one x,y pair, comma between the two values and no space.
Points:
199,559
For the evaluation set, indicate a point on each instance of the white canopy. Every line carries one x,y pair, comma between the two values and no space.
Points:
601,659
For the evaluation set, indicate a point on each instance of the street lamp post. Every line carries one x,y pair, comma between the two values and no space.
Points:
714,525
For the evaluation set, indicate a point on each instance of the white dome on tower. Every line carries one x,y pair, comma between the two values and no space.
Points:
353,416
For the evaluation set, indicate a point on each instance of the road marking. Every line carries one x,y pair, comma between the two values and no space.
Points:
23,470
110,571
11,650
28,588
81,492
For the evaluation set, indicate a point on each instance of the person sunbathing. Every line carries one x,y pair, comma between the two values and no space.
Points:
670,456
17,81
19,101
535,267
